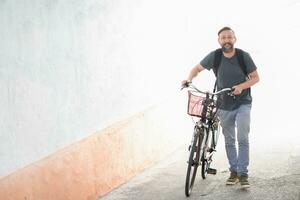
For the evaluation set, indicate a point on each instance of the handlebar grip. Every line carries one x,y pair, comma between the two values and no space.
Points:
231,93
186,84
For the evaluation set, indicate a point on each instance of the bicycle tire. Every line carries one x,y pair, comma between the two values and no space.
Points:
194,160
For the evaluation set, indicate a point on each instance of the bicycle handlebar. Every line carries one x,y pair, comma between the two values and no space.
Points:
190,85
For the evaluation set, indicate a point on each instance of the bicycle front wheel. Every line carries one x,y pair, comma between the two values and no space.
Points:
194,160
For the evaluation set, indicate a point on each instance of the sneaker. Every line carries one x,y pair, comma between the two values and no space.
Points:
244,181
233,179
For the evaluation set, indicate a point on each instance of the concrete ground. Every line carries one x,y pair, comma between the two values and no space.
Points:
274,174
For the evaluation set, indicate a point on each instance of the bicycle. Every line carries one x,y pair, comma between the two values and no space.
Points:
205,135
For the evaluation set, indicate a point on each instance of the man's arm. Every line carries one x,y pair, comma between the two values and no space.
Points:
253,79
194,72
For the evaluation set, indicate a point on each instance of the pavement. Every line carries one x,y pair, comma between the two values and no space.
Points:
274,174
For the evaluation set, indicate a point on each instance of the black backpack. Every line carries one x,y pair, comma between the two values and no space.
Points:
217,62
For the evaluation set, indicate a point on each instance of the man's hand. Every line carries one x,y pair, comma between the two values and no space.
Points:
237,90
184,82
253,79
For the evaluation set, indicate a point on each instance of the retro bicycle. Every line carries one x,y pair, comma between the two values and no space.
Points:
202,107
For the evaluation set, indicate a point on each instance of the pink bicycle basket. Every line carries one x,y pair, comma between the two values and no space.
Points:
195,104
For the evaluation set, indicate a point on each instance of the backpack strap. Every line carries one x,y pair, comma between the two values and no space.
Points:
217,61
216,64
240,57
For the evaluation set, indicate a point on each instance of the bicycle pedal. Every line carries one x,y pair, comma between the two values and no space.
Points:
211,171
210,150
193,163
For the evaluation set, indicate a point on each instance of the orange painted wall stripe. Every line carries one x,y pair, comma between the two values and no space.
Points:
94,166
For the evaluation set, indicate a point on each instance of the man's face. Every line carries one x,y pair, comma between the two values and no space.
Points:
227,40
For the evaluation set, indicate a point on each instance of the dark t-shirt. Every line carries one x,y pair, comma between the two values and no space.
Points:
230,74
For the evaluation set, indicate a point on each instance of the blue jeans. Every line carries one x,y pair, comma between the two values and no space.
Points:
233,121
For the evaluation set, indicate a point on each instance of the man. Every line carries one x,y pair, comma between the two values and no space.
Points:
234,112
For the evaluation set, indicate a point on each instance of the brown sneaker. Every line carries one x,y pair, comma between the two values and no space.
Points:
233,179
244,181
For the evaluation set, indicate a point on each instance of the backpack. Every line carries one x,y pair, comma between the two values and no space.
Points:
218,58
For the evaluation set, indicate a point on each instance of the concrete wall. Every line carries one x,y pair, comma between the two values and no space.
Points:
70,68
70,73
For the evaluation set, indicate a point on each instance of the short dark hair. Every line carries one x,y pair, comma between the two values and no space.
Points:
226,28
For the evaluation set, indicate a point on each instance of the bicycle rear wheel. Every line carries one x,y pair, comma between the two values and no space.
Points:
194,160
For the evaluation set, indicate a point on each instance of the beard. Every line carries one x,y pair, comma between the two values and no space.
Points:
227,47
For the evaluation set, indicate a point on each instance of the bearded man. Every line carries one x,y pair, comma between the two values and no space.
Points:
233,68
